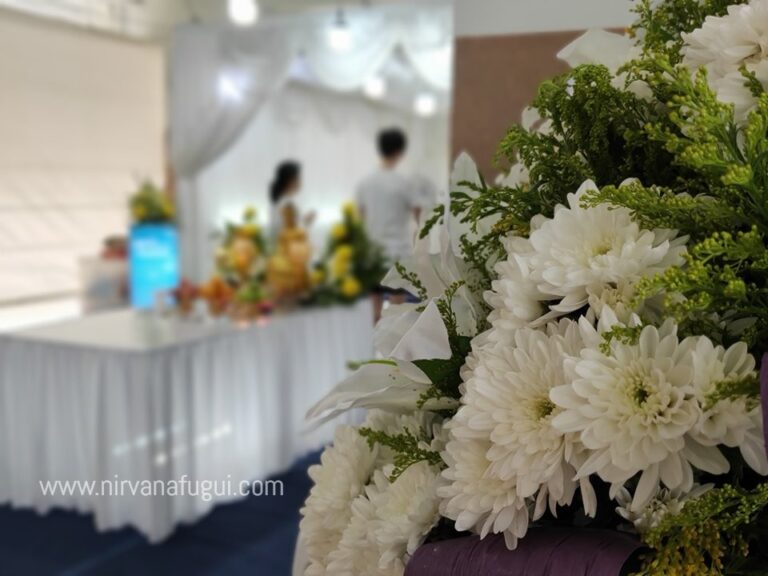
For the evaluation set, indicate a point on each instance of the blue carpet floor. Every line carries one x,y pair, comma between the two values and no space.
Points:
253,537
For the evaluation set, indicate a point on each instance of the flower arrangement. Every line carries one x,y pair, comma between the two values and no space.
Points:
238,286
250,302
150,205
218,294
587,337
241,257
352,264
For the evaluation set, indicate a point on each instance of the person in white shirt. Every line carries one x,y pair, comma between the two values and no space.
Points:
389,203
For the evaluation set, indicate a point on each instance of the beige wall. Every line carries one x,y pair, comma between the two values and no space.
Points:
496,78
81,119
504,50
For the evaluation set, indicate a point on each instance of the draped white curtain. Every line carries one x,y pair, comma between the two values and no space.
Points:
425,35
427,40
220,78
373,40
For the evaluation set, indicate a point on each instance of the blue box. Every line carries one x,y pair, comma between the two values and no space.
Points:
154,262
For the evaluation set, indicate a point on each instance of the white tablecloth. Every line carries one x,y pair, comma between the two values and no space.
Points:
126,396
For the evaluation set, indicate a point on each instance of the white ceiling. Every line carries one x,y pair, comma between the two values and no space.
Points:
154,19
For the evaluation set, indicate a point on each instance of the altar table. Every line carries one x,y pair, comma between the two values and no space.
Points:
124,399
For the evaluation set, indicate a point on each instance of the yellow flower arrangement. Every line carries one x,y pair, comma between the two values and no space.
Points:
250,230
150,205
350,211
139,213
339,268
249,214
351,266
350,287
317,277
344,252
341,261
168,208
339,232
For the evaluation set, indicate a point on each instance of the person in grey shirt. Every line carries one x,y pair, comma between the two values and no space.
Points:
389,202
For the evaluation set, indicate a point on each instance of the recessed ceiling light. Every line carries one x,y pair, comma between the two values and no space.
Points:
243,12
425,105
339,34
375,87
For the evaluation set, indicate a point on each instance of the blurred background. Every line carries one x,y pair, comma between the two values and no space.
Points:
139,147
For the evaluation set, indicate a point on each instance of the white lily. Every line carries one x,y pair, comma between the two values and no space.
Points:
598,46
465,170
394,385
437,264
611,50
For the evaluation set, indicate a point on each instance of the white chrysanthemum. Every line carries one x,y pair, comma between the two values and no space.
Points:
753,447
477,499
406,511
633,409
663,503
586,248
341,476
359,550
621,301
726,421
507,400
724,44
514,297
388,523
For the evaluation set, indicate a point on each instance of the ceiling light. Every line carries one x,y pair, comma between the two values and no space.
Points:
425,105
375,87
243,12
339,35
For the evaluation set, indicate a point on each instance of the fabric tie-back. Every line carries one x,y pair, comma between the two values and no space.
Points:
543,552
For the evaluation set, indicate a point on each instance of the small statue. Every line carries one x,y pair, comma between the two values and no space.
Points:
288,269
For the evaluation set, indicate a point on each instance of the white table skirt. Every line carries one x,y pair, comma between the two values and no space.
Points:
130,397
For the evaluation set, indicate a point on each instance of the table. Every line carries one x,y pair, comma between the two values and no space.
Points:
134,403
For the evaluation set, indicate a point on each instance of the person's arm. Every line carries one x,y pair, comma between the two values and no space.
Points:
416,199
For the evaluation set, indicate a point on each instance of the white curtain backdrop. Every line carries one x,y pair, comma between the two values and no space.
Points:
427,41
218,82
425,34
333,136
374,38
220,78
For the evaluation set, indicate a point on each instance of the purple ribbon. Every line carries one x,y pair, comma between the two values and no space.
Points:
543,552
764,396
